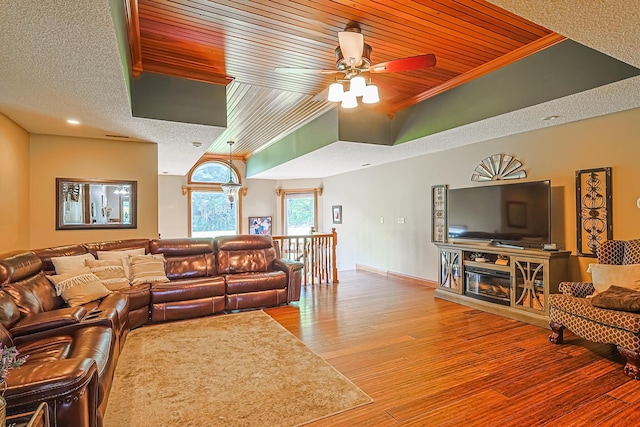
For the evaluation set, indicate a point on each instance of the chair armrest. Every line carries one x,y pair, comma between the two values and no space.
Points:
577,289
48,320
69,386
293,269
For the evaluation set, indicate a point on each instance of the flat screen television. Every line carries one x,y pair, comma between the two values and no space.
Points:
517,214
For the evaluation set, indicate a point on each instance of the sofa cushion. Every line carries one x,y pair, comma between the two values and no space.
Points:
66,264
582,307
604,275
79,287
58,251
34,294
147,269
255,282
610,252
110,272
186,258
9,312
618,298
632,252
187,289
19,266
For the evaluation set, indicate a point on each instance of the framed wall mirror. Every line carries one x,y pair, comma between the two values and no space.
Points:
95,203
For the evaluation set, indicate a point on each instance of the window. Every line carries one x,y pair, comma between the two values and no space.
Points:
209,212
299,209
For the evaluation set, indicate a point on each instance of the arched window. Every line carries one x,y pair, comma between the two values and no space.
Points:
209,212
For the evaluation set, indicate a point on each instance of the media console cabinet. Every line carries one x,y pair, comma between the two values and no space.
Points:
507,281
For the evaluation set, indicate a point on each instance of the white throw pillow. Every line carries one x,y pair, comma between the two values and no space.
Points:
79,287
110,272
123,255
148,269
66,264
605,275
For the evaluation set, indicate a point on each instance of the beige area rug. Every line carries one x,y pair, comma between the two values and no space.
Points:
241,369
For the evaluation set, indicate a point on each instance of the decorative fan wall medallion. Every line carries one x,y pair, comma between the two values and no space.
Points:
497,167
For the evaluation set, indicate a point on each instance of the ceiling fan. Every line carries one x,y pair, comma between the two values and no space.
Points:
353,58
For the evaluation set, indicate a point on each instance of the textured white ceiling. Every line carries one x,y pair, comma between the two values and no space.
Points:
60,59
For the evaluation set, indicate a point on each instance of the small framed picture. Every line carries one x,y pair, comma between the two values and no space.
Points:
259,225
336,212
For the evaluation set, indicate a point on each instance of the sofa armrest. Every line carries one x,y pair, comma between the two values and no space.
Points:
69,386
48,320
294,276
577,289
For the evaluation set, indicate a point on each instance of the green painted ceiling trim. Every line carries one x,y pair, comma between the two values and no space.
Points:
561,70
316,134
119,22
157,96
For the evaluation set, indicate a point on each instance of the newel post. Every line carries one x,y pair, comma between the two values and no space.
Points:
334,255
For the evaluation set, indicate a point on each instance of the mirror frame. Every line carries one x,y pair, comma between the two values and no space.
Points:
133,204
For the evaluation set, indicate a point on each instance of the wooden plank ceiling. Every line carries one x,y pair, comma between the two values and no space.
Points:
243,41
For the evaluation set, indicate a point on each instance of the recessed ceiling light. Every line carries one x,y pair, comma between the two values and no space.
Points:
197,144
366,164
551,118
73,121
165,172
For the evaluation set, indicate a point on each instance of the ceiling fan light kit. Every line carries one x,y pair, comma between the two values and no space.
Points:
353,57
357,85
349,100
336,92
371,95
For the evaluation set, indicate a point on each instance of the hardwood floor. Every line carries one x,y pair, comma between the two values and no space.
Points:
430,362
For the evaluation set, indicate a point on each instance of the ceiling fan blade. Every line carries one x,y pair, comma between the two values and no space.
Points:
351,45
289,70
405,64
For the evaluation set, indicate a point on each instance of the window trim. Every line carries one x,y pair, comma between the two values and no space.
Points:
213,187
283,195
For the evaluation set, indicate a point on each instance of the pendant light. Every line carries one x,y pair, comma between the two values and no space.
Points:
231,188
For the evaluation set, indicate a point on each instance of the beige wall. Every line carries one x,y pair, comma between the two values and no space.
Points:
172,207
552,153
14,186
54,157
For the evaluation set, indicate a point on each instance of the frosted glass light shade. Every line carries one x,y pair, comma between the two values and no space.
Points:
371,95
336,92
358,85
349,100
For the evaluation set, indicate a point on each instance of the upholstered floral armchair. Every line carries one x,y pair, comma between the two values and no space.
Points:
613,315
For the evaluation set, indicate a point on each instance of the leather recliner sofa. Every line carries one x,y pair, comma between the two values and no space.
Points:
73,351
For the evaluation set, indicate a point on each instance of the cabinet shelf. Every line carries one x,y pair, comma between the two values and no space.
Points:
487,265
519,290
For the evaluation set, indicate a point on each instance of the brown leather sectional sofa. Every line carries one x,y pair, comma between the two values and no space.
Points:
73,351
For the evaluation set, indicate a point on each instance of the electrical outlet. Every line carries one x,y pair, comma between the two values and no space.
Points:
401,220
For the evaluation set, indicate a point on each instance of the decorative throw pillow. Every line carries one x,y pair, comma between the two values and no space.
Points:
123,255
79,287
604,275
148,269
66,264
110,272
618,298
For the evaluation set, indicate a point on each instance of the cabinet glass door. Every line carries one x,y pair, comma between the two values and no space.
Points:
450,270
529,277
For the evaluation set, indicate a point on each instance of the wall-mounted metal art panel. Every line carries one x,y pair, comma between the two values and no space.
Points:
594,219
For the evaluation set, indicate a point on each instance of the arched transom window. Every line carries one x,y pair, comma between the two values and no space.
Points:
209,212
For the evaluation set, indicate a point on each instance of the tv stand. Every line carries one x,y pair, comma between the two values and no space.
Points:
504,245
502,279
